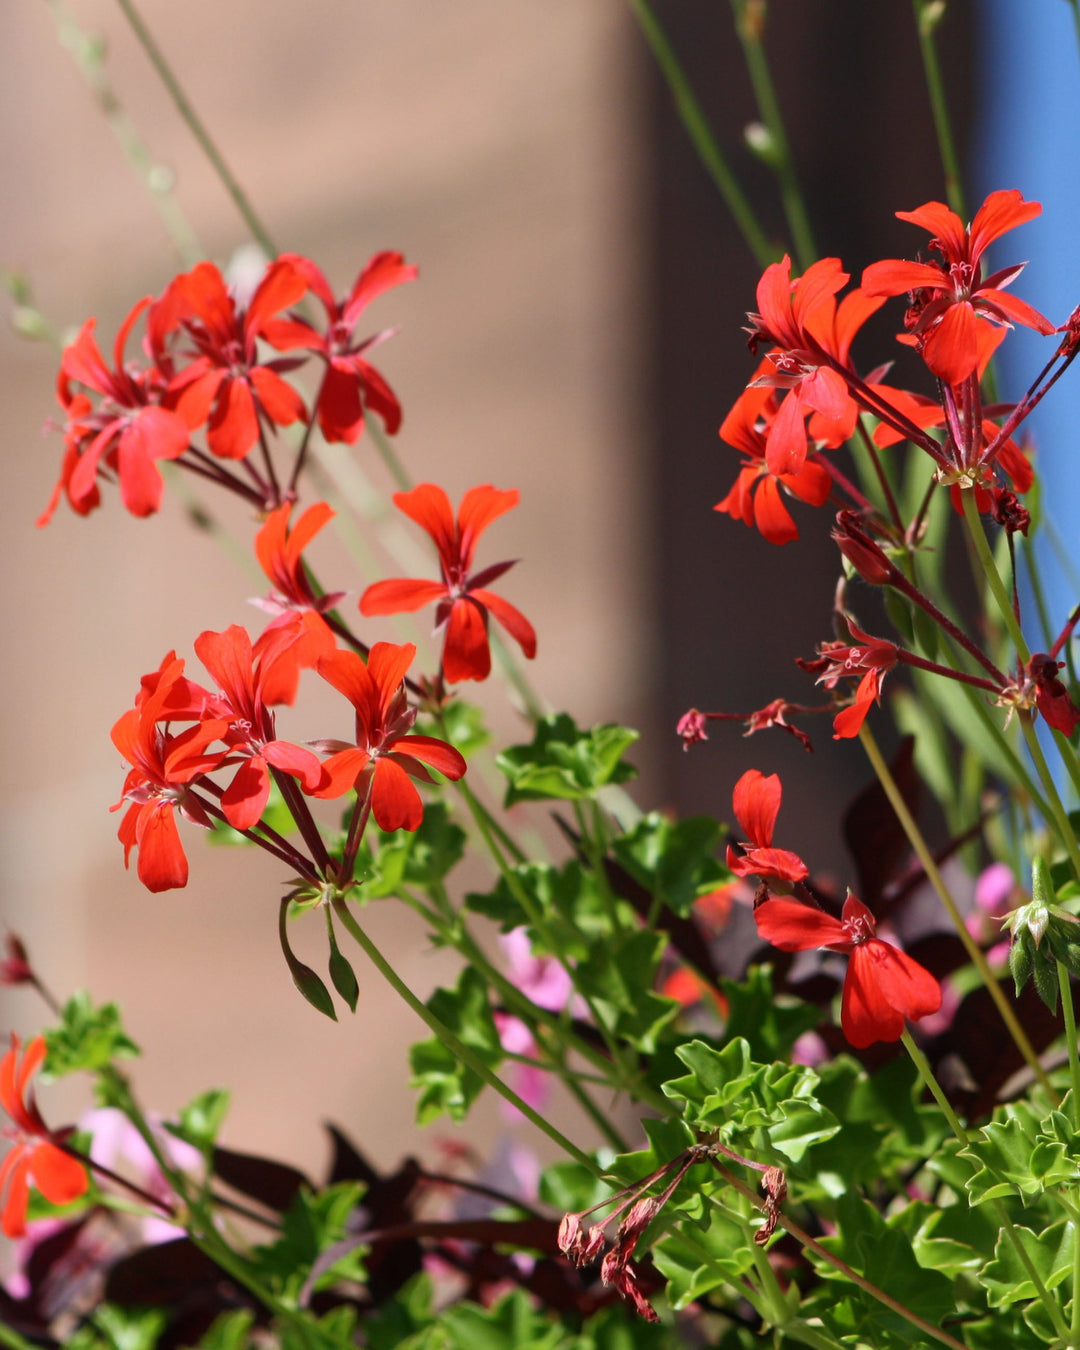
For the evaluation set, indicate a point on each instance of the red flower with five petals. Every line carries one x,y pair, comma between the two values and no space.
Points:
351,384
226,383
463,600
36,1156
125,433
882,987
951,299
756,802
755,498
164,768
385,755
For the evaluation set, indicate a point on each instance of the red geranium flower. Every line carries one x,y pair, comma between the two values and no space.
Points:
812,334
882,986
247,679
35,1157
351,384
278,550
837,660
385,755
463,600
757,802
756,499
125,433
951,299
165,766
226,382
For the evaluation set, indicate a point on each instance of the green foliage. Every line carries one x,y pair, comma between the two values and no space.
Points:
567,898
111,1327
1051,1253
727,1092
421,858
201,1120
88,1038
230,1331
460,723
446,1085
1019,1153
674,860
617,975
312,1225
769,1027
565,763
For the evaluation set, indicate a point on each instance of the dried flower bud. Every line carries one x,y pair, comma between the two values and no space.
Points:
1051,695
1010,512
15,965
691,727
593,1245
774,1184
569,1240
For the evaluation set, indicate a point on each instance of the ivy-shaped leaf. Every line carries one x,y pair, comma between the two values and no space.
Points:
564,763
1011,1159
446,1085
1051,1253
674,860
314,1222
618,975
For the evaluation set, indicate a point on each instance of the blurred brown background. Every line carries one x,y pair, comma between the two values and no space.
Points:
574,333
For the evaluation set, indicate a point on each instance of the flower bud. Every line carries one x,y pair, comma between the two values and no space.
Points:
867,557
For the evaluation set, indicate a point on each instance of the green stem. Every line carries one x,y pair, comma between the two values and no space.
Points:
800,1235
1057,808
700,133
388,454
11,1338
1068,1013
88,55
933,873
977,535
926,18
457,1047
927,1075
197,127
749,25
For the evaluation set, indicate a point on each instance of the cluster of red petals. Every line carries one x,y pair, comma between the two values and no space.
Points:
756,497
123,433
350,382
756,803
164,767
385,755
951,299
462,598
204,364
811,335
1052,696
35,1158
882,987
841,660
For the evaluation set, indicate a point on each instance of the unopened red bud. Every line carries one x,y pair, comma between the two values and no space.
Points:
15,965
1010,512
569,1239
592,1246
860,550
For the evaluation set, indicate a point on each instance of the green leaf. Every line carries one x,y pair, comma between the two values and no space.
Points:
617,976
114,1328
565,763
88,1038
462,724
1051,1253
446,1085
674,860
698,1260
230,1331
312,1224
728,1092
770,1026
1011,1158
201,1120
567,899
421,858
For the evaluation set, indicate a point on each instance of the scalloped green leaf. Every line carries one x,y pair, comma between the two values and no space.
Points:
1051,1253
564,763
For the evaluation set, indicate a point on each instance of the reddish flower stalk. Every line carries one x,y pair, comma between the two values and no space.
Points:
882,987
37,1155
691,726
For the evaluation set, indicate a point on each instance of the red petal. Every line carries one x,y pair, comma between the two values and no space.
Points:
771,516
246,796
894,276
430,507
432,751
515,623
400,595
943,224
777,863
797,928
162,864
466,653
785,444
233,427
388,664
866,1015
1019,311
1002,211
341,772
395,802
756,801
383,271
14,1171
279,400
57,1175
951,348
479,507
295,760
910,988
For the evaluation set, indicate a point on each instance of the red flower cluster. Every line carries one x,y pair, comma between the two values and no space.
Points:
208,362
462,598
757,803
36,1156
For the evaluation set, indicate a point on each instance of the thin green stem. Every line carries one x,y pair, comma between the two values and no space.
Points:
802,1236
1068,1014
10,1337
89,56
388,454
927,16
197,127
933,873
1058,814
927,1075
457,1047
700,133
749,25
985,557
